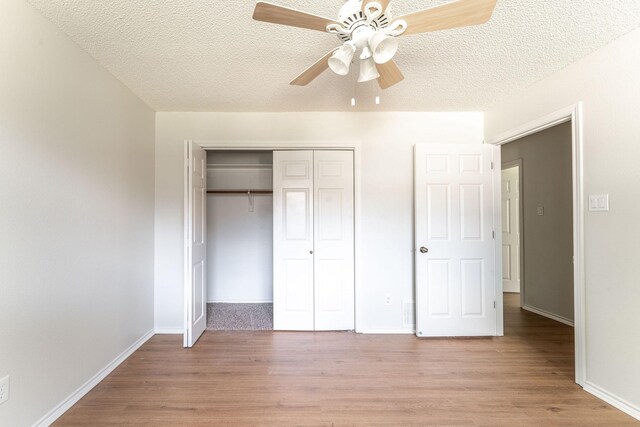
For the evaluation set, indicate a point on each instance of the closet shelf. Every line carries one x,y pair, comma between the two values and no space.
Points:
239,166
239,191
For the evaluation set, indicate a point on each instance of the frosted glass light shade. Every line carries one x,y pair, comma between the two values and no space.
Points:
383,47
340,61
368,70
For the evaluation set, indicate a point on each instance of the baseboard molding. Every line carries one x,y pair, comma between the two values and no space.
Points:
549,315
169,331
613,400
240,302
388,331
64,406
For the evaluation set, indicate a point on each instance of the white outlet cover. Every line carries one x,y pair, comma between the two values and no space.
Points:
540,210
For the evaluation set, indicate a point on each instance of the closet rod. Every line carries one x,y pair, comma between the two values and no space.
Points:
239,191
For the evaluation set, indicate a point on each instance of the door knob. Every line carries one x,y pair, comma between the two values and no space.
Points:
424,250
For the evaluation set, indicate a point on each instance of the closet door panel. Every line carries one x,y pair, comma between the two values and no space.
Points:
296,214
293,240
297,273
334,240
329,292
196,245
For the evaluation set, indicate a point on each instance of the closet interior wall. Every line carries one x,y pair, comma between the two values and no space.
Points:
239,227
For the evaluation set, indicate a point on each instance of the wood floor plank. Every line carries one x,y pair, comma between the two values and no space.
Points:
321,379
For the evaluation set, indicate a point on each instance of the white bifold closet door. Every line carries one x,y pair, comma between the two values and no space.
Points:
313,217
293,240
333,240
196,245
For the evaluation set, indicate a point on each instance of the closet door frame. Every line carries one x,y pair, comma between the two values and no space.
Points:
355,146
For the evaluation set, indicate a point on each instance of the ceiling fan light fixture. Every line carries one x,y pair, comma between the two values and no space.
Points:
368,26
383,47
341,59
368,70
366,53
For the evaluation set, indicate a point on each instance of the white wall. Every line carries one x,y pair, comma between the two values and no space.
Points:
608,84
386,191
239,249
76,215
239,239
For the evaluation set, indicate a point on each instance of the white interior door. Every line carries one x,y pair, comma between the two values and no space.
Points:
511,229
196,244
293,240
455,241
333,241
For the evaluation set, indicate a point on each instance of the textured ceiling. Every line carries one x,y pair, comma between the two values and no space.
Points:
207,55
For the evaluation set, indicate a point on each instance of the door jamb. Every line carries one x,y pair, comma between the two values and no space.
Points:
508,165
573,114
354,145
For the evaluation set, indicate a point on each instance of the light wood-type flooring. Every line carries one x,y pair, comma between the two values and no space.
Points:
324,379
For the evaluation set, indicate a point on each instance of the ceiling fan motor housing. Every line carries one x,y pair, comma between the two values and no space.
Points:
353,18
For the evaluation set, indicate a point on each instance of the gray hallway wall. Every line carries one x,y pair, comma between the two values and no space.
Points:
548,239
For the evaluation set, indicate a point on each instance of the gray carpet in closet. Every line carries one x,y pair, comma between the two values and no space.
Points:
239,317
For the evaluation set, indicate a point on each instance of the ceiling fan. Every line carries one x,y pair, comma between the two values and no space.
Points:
367,27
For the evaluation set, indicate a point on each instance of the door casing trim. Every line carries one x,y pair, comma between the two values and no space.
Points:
573,114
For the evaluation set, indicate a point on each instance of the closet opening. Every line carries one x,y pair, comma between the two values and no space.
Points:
239,240
270,237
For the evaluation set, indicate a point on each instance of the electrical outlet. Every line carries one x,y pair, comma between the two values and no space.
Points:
4,390
540,210
387,299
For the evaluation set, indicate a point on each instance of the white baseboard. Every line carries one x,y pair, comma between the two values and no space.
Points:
388,331
240,302
549,315
64,406
169,331
613,400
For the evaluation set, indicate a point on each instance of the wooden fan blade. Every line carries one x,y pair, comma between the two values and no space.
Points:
460,13
314,71
275,14
390,74
384,3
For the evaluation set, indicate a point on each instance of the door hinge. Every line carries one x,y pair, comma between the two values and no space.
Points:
494,304
492,165
493,233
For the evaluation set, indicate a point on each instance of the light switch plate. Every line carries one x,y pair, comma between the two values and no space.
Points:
598,203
